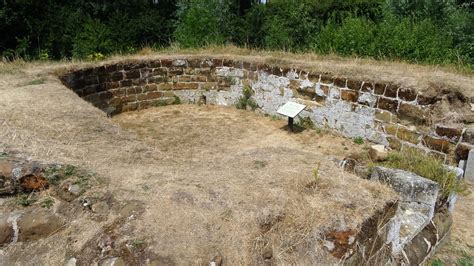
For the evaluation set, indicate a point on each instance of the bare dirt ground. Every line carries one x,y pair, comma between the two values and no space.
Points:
182,183
459,250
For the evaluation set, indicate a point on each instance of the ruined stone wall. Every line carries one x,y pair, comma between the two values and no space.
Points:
383,113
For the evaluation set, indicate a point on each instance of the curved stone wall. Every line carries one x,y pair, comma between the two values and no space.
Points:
382,113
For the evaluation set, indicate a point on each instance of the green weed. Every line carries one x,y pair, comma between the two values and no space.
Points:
359,140
47,203
245,101
305,122
54,175
26,200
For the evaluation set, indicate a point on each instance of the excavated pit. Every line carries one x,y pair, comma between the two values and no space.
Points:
201,183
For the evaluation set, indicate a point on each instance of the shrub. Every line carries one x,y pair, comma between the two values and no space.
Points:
288,25
201,22
26,200
354,37
414,41
94,39
425,166
245,101
359,140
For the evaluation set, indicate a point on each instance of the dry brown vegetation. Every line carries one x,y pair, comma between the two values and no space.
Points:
429,78
208,180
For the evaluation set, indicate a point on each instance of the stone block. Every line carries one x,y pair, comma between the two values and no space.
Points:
166,62
349,95
425,99
354,84
277,71
390,129
38,224
179,63
249,66
468,136
407,94
185,86
469,173
154,63
265,68
209,86
368,99
125,83
162,71
453,133
132,74
388,104
462,150
383,116
334,93
410,187
6,230
153,95
413,112
112,85
173,71
340,82
394,143
326,79
438,144
146,72
379,88
139,81
116,76
130,98
150,87
391,91
378,153
367,87
406,134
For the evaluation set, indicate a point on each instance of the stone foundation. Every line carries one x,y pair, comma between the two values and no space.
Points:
405,232
382,113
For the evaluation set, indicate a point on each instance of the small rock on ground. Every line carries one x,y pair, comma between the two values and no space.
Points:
6,230
378,153
37,225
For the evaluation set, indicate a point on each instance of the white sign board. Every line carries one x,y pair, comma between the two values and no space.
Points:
291,109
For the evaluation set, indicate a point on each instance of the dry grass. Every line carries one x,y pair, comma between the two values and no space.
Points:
210,179
427,78
203,175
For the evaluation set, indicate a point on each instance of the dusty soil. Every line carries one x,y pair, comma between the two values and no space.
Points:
460,246
182,183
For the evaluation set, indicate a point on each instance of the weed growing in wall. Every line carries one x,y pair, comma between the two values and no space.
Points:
246,101
359,140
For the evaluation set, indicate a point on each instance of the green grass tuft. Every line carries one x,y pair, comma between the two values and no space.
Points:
245,101
359,140
26,200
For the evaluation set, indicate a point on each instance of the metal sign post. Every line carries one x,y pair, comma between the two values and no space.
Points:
291,110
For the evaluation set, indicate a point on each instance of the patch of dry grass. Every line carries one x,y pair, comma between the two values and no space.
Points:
429,79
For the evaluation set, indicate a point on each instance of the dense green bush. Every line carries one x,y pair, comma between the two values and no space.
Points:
199,23
424,31
94,38
356,36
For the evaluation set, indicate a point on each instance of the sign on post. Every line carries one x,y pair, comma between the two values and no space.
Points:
291,110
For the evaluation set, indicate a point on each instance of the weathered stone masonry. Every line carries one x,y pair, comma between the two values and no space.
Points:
383,113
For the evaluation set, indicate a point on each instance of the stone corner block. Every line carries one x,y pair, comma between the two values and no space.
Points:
409,186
